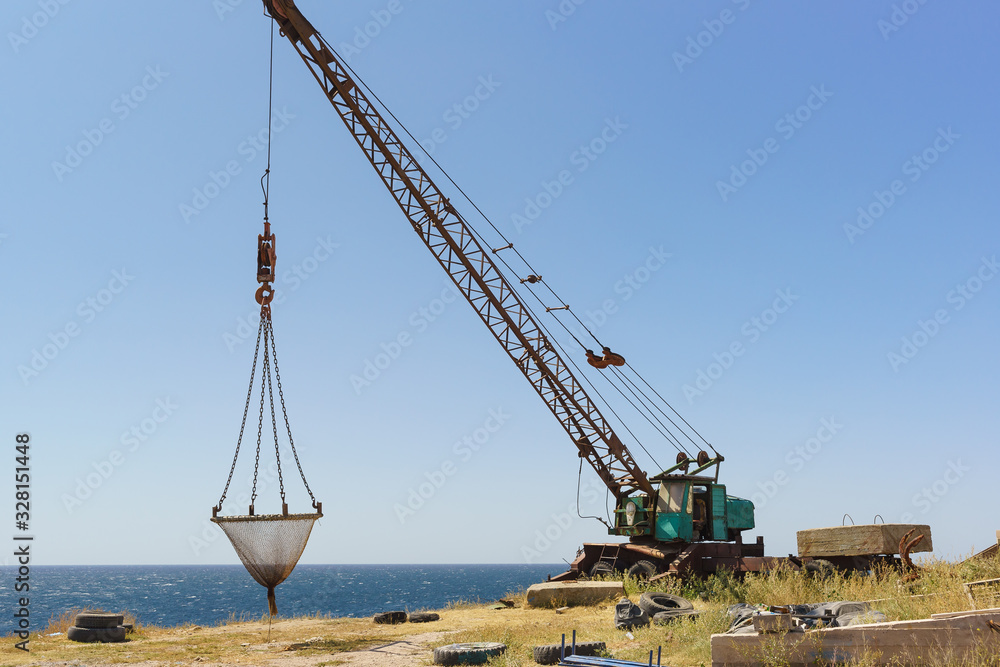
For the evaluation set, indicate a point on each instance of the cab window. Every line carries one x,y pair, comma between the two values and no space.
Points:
671,498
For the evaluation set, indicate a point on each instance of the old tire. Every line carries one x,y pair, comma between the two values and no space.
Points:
76,634
98,620
476,653
390,617
819,569
665,617
643,570
549,653
601,569
655,603
423,617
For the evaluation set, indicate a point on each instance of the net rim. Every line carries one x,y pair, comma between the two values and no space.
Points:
239,518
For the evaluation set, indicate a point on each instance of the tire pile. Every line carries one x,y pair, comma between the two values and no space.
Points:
98,627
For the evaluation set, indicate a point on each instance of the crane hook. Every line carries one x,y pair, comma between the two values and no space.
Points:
266,258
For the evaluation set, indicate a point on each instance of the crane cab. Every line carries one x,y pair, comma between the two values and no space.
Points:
685,508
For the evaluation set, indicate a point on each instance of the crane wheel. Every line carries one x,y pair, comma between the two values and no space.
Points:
601,569
643,570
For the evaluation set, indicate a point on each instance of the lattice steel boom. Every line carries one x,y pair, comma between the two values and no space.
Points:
458,251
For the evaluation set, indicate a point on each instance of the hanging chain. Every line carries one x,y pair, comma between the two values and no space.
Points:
274,422
265,374
281,395
246,408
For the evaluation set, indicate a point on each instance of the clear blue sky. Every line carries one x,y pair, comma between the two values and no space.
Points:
739,138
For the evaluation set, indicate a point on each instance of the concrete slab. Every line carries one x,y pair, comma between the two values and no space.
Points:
573,593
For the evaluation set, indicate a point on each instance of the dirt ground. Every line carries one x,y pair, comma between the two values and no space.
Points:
359,642
293,643
315,642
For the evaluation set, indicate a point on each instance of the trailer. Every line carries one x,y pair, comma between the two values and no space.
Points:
821,551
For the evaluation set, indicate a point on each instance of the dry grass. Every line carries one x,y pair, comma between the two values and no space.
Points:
320,640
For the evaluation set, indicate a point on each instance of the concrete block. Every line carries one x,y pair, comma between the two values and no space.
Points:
573,593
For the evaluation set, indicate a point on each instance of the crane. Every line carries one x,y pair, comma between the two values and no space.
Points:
659,514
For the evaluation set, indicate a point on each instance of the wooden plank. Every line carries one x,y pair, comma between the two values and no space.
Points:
862,540
985,592
954,614
945,640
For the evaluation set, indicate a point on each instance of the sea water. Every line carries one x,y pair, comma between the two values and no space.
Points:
168,595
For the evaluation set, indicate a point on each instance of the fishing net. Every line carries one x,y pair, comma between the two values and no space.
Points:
269,545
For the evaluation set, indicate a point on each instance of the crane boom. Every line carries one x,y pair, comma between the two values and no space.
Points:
454,244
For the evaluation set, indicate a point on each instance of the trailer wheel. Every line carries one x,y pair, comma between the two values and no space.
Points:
819,569
655,603
643,570
601,569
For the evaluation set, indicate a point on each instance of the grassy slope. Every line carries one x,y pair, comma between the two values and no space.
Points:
685,642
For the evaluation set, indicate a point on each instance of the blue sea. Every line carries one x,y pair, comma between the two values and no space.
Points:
168,595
